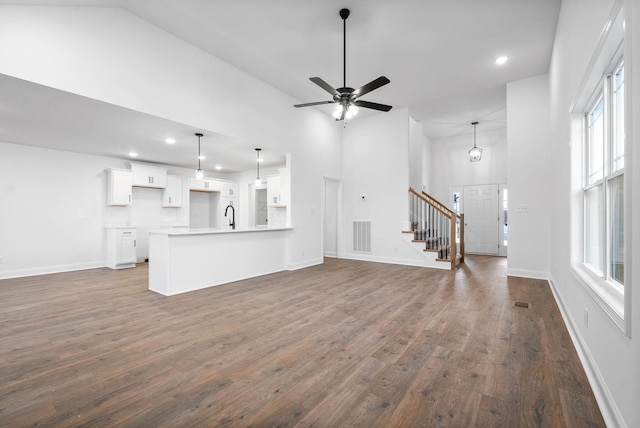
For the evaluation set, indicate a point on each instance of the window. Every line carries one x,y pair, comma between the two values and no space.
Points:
600,189
604,181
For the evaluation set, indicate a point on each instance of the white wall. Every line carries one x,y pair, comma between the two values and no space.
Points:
528,171
376,165
113,56
611,359
53,210
416,167
450,164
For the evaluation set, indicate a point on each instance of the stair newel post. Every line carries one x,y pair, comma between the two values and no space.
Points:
461,238
454,250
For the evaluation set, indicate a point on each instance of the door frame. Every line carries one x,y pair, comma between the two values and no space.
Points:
502,249
339,207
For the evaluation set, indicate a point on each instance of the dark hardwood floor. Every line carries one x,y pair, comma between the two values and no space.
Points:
343,344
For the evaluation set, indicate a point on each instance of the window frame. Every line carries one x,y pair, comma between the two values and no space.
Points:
613,299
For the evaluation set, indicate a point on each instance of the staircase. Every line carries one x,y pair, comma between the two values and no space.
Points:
436,231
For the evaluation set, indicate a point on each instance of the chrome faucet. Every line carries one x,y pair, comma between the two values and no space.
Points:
233,215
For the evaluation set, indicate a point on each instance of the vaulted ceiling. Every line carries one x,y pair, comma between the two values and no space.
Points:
439,54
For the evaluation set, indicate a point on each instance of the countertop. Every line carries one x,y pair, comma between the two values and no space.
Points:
221,230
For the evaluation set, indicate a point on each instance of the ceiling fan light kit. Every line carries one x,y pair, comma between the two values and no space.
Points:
345,97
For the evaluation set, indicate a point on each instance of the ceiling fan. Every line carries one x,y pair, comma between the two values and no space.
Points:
346,98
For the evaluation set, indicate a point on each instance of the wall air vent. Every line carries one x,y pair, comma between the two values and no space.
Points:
362,236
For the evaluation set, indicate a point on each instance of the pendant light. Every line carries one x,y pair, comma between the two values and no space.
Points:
199,173
475,153
258,181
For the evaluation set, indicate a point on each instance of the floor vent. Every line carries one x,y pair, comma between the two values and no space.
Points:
362,236
525,305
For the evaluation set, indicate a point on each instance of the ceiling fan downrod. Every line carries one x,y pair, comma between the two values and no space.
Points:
344,14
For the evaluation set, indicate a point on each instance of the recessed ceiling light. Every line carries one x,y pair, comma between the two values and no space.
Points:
202,157
218,167
169,141
133,154
501,60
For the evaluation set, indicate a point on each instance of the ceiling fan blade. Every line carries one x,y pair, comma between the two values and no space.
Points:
324,85
374,84
375,106
317,103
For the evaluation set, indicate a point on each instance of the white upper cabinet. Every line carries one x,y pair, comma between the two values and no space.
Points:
172,194
149,176
230,190
274,192
205,185
118,187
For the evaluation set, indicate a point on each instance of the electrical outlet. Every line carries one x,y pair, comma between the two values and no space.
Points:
80,214
1,260
303,252
586,317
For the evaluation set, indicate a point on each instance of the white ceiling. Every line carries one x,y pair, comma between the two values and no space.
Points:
438,54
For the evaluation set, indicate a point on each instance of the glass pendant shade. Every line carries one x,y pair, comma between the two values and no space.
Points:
351,111
475,154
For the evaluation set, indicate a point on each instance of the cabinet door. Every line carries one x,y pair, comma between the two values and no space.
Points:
206,185
118,187
273,190
172,194
149,176
230,190
126,252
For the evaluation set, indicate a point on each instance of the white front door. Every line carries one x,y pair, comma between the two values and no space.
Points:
481,217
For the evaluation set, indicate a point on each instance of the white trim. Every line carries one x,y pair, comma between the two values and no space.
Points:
19,273
394,260
599,60
603,294
610,413
527,273
305,263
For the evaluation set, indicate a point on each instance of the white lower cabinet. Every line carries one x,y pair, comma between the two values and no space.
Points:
121,247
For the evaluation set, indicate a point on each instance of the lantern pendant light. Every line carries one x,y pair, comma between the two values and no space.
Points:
258,181
475,153
199,173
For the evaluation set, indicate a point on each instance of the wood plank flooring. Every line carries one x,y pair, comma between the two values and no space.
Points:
347,344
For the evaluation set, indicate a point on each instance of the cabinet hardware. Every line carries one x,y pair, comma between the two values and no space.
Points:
169,199
129,198
126,233
134,243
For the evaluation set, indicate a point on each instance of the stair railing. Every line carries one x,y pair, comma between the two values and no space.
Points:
437,225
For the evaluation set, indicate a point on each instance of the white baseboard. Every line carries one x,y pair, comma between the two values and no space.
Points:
608,408
305,263
393,260
43,270
526,273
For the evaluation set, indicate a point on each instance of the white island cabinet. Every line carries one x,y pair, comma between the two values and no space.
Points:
121,247
187,260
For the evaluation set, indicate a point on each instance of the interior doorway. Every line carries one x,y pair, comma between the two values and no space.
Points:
261,207
331,190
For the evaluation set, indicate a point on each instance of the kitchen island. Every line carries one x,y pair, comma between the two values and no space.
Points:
182,260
